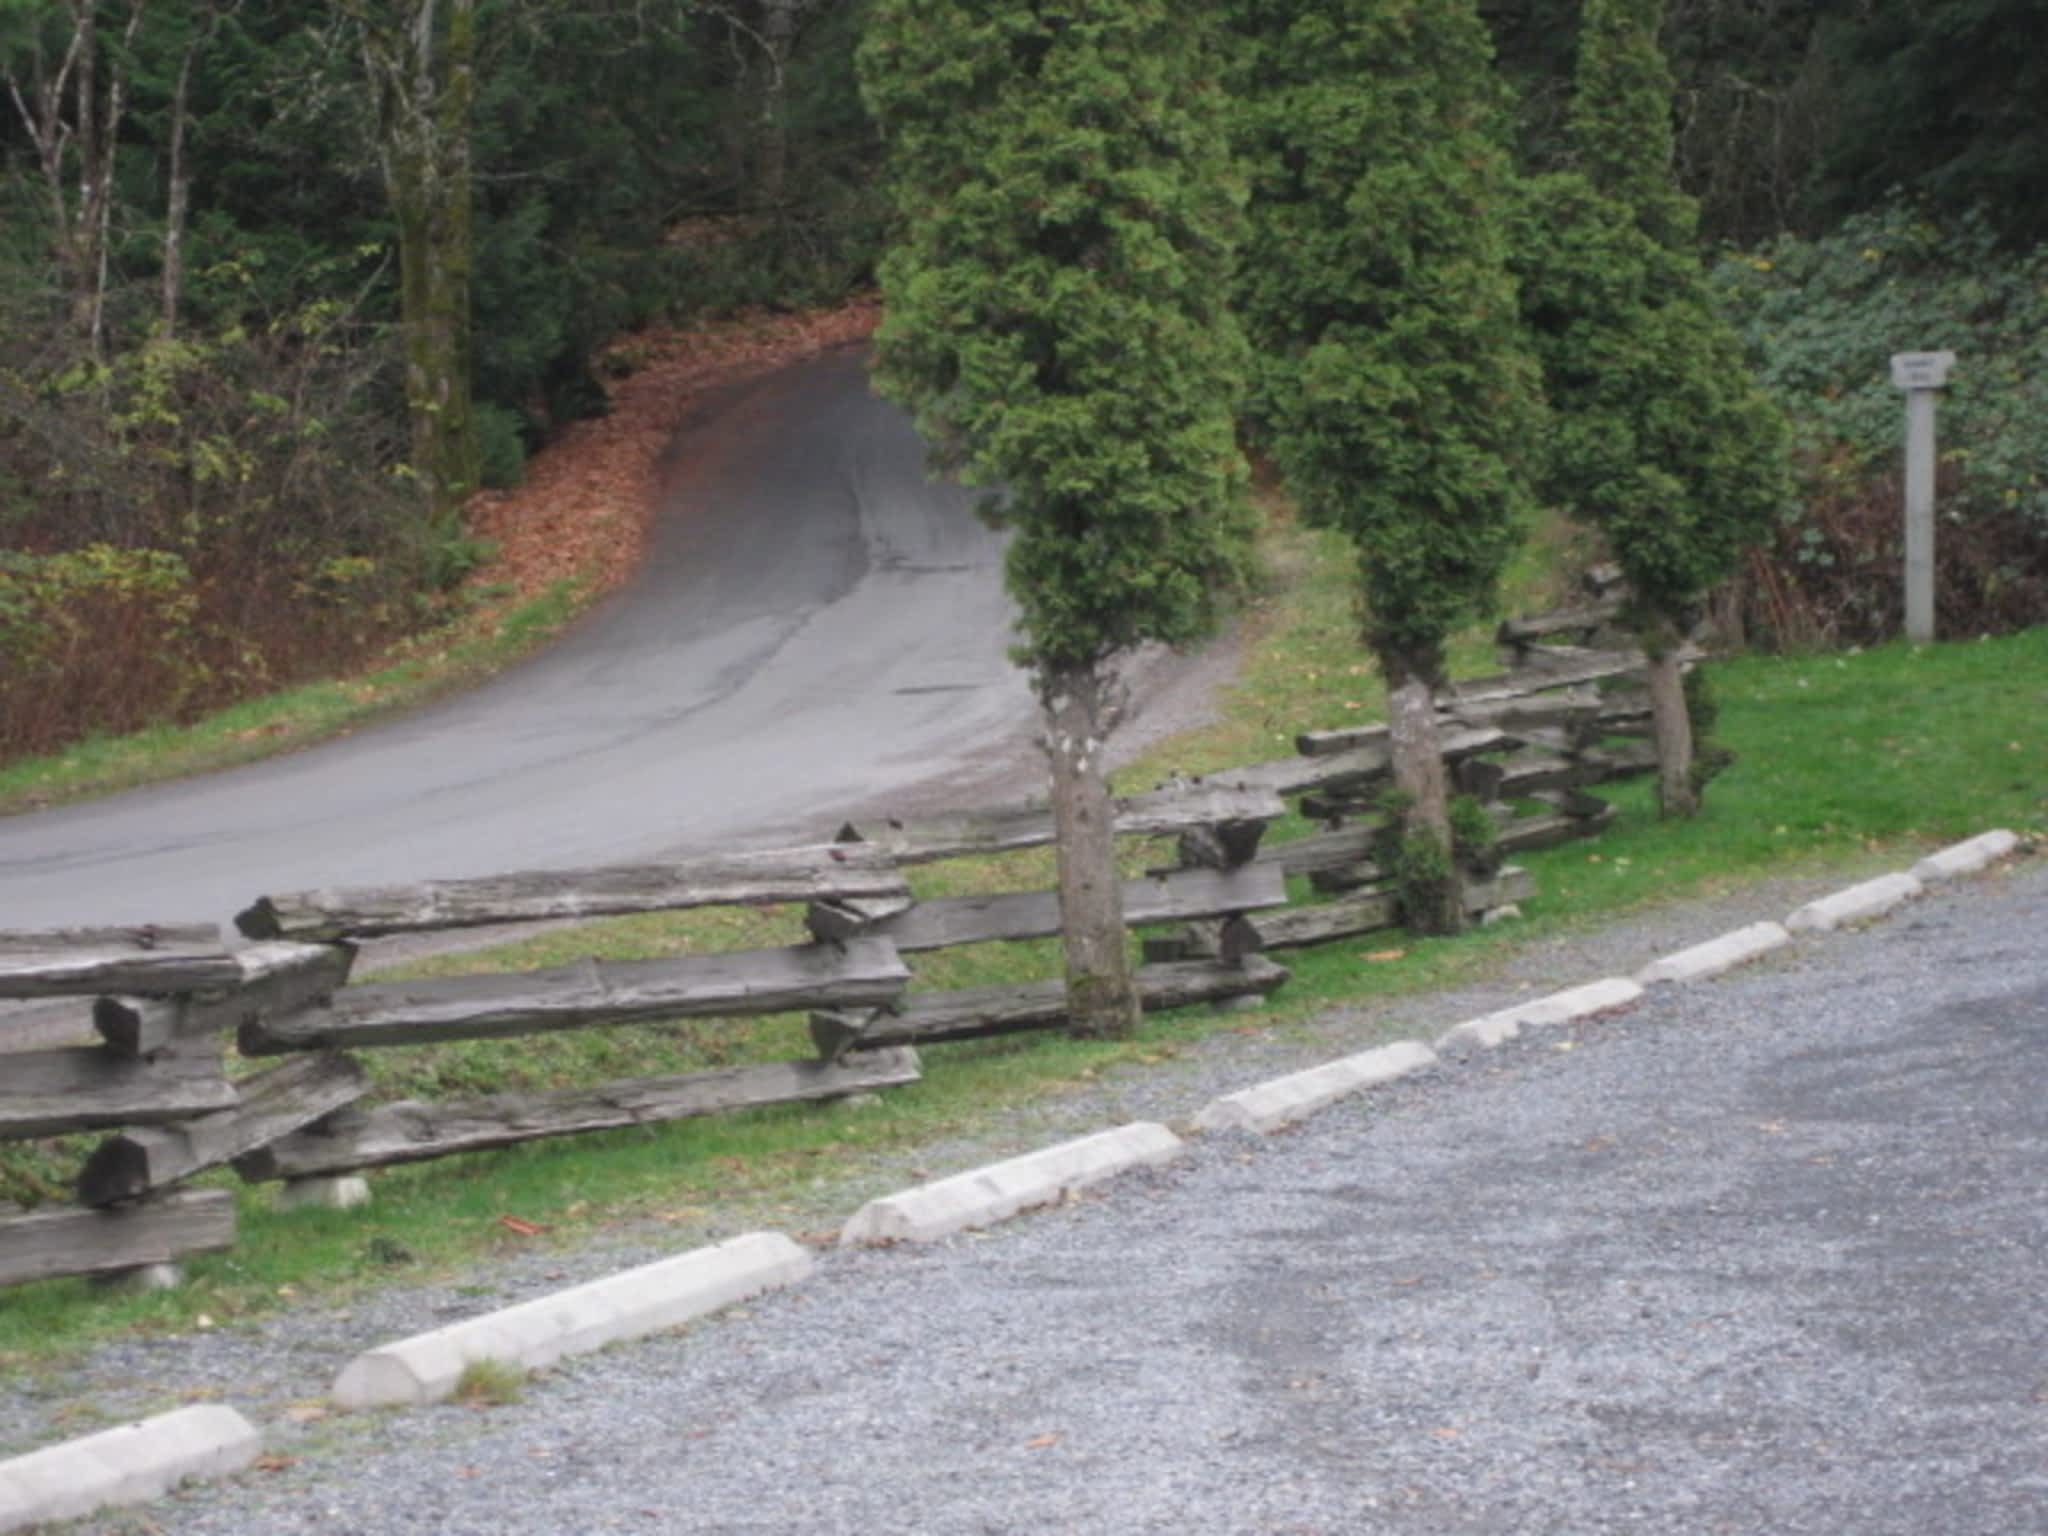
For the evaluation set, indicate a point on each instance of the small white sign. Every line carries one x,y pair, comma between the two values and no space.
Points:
1921,370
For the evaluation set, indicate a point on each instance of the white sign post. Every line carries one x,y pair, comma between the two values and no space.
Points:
1920,374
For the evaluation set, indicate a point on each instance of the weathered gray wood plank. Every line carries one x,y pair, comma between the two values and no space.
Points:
1231,941
1294,775
1173,809
1321,850
1373,910
1333,880
1557,672
412,1132
1338,766
1570,661
1572,802
1526,833
1343,738
1618,712
43,1244
151,959
47,1093
834,922
274,1104
40,1026
1563,621
927,1017
1333,809
1619,760
1356,754
738,879
1036,914
866,970
277,978
1574,708
1222,846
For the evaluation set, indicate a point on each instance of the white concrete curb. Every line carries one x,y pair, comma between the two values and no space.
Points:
1716,955
124,1466
1965,858
1492,1029
1283,1100
982,1196
1873,898
665,1294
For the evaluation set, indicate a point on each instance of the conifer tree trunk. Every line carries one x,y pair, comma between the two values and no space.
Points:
1083,141
1634,353
1671,725
1101,998
1397,393
1431,889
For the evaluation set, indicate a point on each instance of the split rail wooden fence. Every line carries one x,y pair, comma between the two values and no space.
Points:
143,1016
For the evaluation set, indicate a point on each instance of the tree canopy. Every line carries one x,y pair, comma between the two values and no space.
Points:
1398,395
1663,439
1059,324
1058,308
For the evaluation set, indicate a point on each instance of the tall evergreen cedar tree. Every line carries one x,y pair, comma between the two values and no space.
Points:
1058,323
1395,389
1664,441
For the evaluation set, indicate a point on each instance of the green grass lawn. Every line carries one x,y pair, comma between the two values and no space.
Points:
1841,759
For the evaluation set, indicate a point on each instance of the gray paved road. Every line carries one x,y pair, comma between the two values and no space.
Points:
815,622
1762,1256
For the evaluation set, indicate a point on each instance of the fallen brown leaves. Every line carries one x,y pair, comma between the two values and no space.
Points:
583,510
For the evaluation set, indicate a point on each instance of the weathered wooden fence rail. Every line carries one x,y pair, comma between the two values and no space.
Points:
141,1038
158,1072
162,1002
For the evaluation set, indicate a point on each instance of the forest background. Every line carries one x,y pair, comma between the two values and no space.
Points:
281,287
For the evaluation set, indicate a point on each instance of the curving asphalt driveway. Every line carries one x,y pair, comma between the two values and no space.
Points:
815,624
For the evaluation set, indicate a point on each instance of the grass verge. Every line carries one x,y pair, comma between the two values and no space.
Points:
298,717
1842,760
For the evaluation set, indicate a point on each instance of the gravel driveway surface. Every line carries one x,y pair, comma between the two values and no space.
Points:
1761,1255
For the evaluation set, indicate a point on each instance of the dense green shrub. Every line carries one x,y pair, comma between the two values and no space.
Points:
1822,318
191,521
98,633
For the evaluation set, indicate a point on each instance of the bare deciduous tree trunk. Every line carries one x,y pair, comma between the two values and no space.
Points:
74,122
178,198
778,39
1100,996
424,77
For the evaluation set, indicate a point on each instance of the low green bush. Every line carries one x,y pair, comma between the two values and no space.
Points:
1821,319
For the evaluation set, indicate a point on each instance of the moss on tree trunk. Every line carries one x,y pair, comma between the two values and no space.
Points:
1101,999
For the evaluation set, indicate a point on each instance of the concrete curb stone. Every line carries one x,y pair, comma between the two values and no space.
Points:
1281,1101
983,1196
534,1334
126,1465
1965,858
1855,904
1492,1029
1731,949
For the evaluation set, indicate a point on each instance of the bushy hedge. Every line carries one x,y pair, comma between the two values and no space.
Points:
192,522
1822,319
